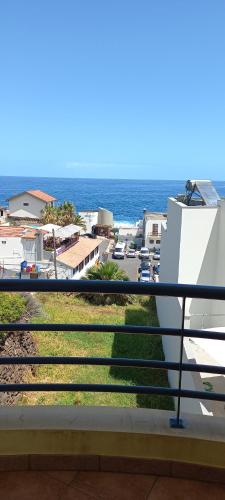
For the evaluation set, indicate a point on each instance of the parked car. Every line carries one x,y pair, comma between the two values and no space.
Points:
156,255
131,253
144,253
145,266
145,276
119,251
157,269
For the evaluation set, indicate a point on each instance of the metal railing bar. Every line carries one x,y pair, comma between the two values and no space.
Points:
54,327
73,360
128,329
177,421
123,362
114,388
123,287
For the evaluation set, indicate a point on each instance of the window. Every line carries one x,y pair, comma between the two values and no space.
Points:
92,255
1,213
157,242
86,260
75,270
151,242
81,265
96,251
155,229
25,204
3,242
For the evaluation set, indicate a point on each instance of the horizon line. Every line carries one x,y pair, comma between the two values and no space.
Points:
100,178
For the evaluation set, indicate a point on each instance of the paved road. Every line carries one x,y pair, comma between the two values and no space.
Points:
129,265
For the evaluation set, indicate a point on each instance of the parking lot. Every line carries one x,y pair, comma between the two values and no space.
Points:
131,265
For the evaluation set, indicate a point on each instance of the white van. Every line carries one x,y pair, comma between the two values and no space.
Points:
144,253
119,251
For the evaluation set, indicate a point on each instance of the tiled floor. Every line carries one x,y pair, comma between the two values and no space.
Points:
70,485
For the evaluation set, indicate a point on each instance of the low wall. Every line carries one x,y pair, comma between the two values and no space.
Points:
123,439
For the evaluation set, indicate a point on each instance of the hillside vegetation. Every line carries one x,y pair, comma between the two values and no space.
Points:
61,308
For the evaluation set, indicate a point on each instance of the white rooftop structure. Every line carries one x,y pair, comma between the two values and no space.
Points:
67,231
50,227
22,214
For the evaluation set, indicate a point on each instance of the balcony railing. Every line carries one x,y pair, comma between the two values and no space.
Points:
156,289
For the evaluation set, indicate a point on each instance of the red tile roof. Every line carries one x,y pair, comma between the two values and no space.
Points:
41,195
18,232
76,254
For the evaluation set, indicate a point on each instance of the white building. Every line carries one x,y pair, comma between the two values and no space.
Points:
26,207
3,215
102,216
192,252
91,219
152,228
131,234
18,244
74,262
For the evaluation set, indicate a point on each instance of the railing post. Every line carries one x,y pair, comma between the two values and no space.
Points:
177,422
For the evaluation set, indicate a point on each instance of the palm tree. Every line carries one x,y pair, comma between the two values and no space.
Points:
79,221
107,271
63,215
49,215
66,212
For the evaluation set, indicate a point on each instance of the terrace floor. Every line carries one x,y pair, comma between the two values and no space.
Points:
72,485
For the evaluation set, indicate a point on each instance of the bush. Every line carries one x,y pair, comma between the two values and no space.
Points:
12,307
102,299
109,271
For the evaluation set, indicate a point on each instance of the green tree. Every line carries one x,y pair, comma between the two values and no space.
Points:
49,215
79,221
107,271
66,213
63,215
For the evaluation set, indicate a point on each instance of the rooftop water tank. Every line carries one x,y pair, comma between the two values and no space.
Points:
105,217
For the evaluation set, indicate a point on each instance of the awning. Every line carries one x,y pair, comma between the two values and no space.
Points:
67,231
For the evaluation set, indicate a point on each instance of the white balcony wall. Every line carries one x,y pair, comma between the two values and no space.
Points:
192,252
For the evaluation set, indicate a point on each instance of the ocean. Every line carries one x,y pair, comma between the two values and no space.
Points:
125,198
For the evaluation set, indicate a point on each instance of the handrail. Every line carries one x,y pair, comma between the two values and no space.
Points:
182,291
118,287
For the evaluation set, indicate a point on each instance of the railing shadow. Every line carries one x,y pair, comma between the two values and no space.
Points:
142,347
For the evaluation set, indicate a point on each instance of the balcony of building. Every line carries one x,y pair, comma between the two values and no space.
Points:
100,452
155,234
62,239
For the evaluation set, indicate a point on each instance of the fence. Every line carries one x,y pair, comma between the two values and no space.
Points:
118,287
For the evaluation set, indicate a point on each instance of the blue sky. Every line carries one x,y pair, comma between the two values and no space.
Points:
116,89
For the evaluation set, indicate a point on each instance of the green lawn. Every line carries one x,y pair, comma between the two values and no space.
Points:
58,308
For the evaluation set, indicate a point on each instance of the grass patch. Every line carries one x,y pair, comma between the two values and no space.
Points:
59,308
